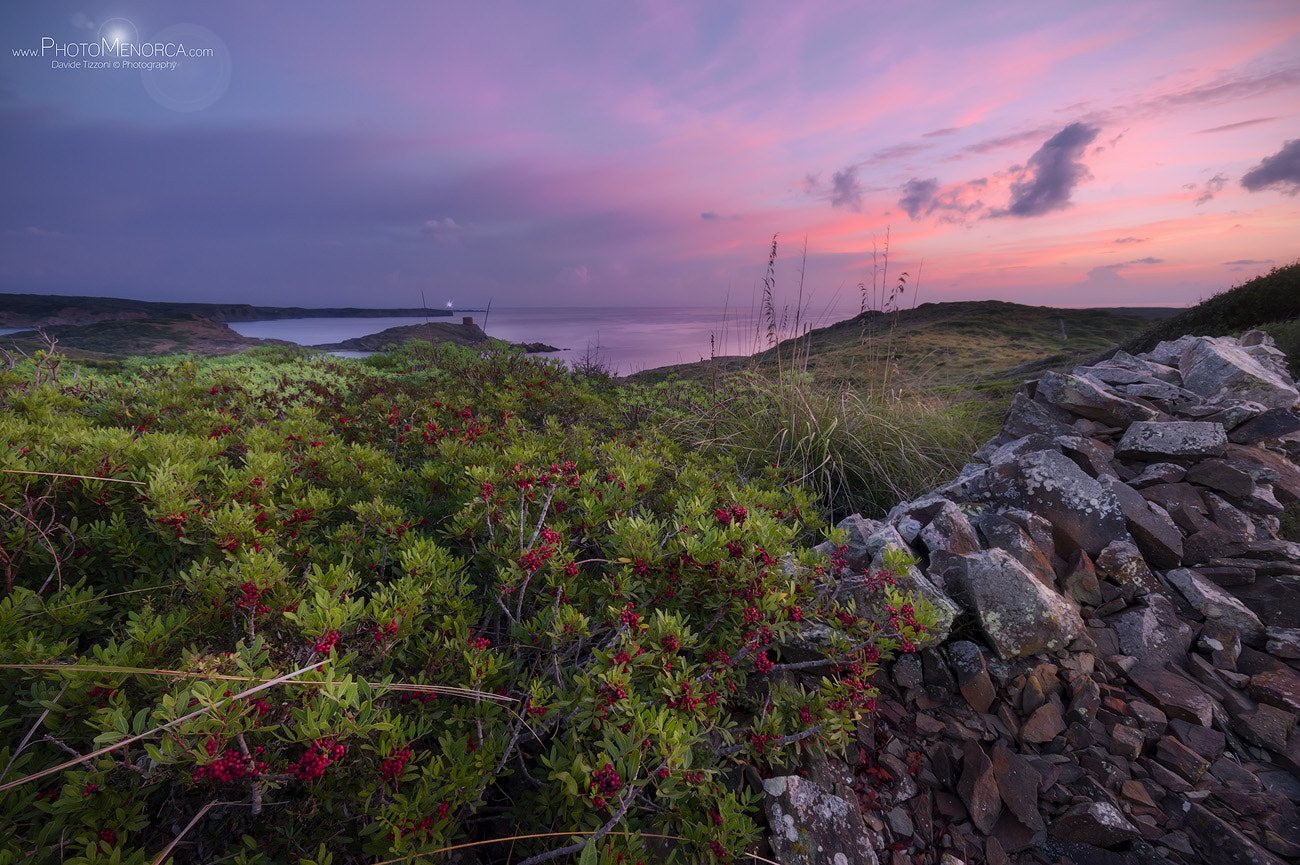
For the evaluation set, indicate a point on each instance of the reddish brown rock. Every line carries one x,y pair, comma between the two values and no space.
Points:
1080,581
1183,503
972,675
1177,757
1223,844
1125,741
1018,785
978,787
1267,726
1122,563
1154,532
1176,695
1098,823
1044,725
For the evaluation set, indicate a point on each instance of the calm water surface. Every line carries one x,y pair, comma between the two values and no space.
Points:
625,339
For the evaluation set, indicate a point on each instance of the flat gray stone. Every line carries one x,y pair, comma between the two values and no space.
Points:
1160,440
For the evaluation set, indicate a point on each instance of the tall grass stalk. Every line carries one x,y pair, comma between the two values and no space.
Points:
859,449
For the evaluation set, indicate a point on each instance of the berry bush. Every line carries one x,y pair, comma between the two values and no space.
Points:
286,608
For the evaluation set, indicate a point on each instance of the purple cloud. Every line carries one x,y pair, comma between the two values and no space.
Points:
1282,170
1239,125
955,204
1053,172
1213,186
846,190
918,196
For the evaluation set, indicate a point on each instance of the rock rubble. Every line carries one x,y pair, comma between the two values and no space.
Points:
1116,673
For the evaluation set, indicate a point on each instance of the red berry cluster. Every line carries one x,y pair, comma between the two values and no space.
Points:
479,643
378,632
326,642
604,782
422,696
108,837
103,693
391,768
686,701
172,521
250,597
760,740
670,643
539,711
229,767
762,663
571,569
312,764
735,514
628,617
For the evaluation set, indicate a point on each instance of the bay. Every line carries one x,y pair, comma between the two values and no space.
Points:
623,339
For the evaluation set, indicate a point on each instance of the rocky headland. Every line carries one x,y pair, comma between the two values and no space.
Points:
466,333
1115,678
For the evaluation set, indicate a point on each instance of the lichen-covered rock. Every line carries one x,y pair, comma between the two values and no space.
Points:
1003,534
1020,615
812,826
1085,398
1083,514
1181,438
1218,367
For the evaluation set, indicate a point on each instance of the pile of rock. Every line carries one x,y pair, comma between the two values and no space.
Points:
1134,693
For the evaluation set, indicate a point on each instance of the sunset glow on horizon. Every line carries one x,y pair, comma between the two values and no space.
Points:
1139,153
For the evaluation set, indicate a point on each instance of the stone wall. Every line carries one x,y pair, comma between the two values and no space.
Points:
1126,689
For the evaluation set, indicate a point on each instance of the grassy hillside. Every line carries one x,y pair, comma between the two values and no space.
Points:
1270,302
138,337
39,310
935,345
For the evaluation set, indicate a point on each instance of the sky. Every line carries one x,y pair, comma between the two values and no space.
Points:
1144,152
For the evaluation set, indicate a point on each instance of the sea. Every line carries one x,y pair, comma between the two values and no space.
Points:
623,339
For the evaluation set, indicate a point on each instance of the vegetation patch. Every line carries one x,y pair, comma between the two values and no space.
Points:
279,608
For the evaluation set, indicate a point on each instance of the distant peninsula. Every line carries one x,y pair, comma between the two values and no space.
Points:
43,310
466,333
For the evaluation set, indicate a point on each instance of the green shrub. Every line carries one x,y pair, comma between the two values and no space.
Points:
535,607
1273,297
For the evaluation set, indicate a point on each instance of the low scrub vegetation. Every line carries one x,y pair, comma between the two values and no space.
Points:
283,608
